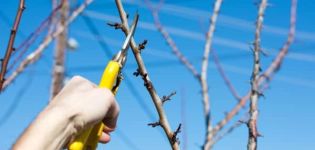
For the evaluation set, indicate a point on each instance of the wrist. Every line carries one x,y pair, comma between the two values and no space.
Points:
51,130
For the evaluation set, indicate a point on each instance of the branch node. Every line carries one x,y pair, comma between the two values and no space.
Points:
142,45
116,25
168,97
136,73
148,84
174,137
154,124
13,31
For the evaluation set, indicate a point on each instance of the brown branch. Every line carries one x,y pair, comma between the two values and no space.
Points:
60,50
227,81
204,71
24,46
237,124
170,41
267,76
10,47
34,56
149,85
254,94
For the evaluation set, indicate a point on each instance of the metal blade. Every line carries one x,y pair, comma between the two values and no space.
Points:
132,31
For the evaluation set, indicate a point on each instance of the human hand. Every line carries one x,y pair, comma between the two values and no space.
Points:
89,104
78,106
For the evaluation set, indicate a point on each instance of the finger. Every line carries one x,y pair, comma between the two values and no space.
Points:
105,138
77,83
108,129
111,116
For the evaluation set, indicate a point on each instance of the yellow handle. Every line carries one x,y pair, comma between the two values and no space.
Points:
89,138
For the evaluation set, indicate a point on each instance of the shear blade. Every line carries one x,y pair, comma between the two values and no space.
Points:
131,33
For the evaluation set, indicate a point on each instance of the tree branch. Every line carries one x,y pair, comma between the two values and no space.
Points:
267,76
222,134
275,66
149,85
204,71
255,93
10,47
171,42
227,81
34,56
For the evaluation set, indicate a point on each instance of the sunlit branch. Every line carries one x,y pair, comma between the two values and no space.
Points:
148,83
10,48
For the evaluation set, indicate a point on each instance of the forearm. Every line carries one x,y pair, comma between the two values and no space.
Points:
50,131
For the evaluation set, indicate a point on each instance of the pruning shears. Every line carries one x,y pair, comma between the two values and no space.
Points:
111,79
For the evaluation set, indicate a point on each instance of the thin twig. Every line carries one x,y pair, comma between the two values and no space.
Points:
36,54
255,93
267,76
204,71
60,50
10,47
168,97
24,46
149,85
170,41
237,124
227,81
275,66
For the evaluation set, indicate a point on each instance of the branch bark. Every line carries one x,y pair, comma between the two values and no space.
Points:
204,71
34,56
60,50
255,93
10,47
148,83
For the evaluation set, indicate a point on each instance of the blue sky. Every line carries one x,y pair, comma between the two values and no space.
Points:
286,118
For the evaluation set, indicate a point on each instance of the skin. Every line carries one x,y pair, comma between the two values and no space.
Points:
79,105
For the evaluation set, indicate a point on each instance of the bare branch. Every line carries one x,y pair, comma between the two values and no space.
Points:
10,48
254,96
274,67
237,124
224,76
267,76
33,57
60,50
24,46
143,72
204,71
170,41
168,97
